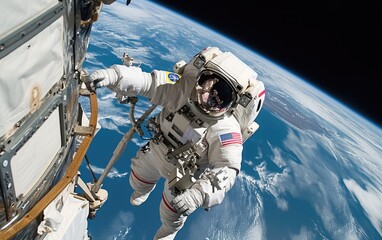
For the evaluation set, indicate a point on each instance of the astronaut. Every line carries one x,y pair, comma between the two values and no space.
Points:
209,107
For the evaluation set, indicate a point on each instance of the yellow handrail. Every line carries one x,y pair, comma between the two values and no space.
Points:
61,185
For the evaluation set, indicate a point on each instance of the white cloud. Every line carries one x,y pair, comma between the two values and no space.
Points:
304,234
121,226
370,199
114,173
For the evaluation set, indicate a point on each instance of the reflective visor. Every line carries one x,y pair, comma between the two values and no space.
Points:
214,95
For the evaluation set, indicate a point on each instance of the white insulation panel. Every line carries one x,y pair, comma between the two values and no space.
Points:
16,13
28,73
33,159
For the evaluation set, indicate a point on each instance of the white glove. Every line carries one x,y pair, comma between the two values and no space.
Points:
187,202
100,78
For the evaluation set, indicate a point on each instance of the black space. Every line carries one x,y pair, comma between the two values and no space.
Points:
333,44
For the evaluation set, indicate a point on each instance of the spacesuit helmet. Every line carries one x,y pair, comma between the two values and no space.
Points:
213,94
221,84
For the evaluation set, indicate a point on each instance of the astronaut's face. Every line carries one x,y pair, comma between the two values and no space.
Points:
214,96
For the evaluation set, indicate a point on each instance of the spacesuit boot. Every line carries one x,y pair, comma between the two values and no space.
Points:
138,198
163,234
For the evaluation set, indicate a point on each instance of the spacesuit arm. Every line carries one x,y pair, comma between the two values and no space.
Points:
207,192
224,157
132,81
214,184
161,87
128,81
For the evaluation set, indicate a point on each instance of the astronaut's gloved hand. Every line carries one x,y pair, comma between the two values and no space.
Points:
100,78
187,202
85,79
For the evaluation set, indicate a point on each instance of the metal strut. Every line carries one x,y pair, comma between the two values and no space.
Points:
122,144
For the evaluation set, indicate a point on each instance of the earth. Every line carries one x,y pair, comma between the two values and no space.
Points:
311,171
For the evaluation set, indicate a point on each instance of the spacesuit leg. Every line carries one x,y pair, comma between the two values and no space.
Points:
143,177
172,221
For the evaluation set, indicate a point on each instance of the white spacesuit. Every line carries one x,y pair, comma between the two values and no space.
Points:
209,108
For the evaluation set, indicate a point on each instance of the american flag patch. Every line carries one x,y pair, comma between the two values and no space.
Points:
230,138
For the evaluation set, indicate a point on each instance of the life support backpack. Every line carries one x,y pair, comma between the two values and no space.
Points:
246,115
